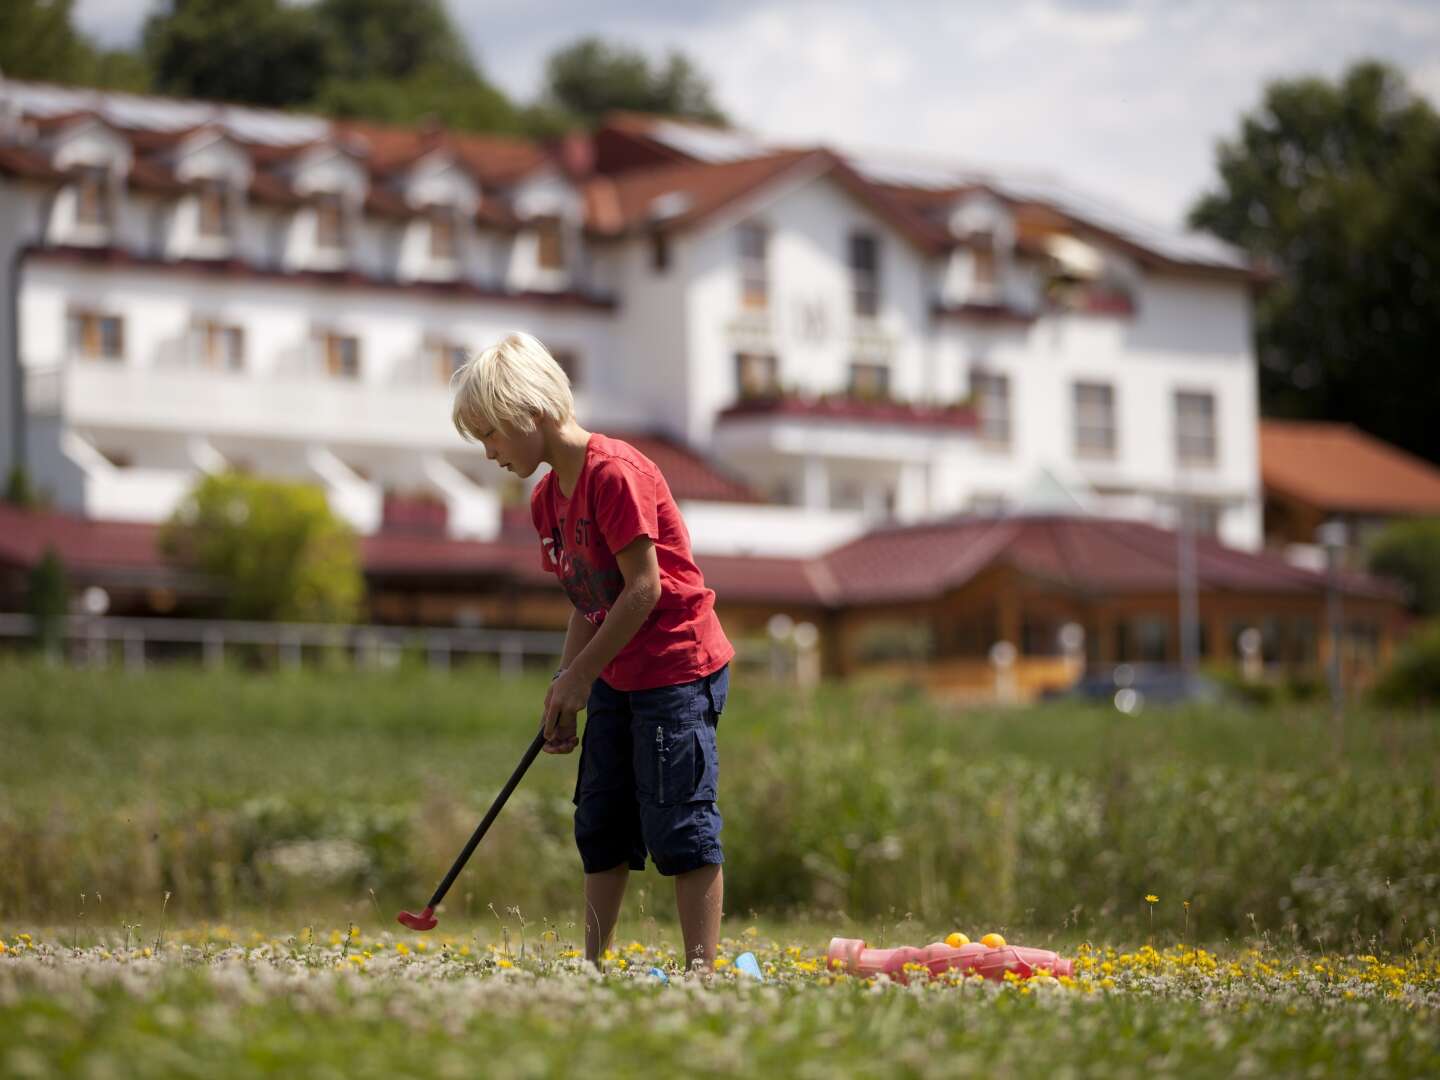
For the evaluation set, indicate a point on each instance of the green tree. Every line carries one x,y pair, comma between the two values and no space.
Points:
38,40
433,93
1337,186
391,39
1409,551
47,601
274,546
591,77
263,52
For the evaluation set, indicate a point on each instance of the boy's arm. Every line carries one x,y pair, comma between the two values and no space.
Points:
578,633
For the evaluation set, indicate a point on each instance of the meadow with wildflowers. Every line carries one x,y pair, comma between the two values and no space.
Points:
210,1002
202,870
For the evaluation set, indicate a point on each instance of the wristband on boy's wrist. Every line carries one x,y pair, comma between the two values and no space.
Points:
558,673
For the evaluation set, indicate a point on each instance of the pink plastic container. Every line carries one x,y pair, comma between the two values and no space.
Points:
851,955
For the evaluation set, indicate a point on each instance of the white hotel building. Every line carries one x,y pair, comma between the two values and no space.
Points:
190,287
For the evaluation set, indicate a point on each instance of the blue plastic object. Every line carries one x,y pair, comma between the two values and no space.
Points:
660,975
746,964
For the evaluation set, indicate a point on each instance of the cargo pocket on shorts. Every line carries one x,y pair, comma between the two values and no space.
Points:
686,766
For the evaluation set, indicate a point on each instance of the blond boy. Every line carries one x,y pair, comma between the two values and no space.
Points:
645,656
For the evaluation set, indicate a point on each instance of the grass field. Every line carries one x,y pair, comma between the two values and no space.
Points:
1295,930
203,1004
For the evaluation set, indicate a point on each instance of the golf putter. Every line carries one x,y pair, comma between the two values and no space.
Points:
426,920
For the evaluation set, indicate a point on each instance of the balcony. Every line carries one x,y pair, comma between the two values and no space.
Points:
297,405
873,411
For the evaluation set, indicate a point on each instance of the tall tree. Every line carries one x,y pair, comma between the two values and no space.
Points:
1337,185
392,39
38,40
591,77
263,52
402,61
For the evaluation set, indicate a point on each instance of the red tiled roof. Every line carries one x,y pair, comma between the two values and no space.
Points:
494,160
81,542
845,408
1100,556
762,579
623,203
27,164
619,204
1337,467
690,474
1092,556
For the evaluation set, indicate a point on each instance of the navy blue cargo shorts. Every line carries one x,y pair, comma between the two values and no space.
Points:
648,776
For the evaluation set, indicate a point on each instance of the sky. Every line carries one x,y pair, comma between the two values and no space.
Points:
1125,99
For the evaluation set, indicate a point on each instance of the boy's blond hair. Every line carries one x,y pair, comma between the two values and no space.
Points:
510,384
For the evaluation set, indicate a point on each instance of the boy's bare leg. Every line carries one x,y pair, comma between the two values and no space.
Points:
604,893
700,897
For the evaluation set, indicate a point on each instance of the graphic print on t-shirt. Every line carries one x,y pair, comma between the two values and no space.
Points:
590,589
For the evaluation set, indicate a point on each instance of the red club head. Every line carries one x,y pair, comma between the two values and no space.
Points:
424,921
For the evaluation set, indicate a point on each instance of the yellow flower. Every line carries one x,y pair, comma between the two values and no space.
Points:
402,948
2,948
505,964
1151,898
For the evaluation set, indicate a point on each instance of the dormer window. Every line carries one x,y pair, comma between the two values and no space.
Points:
982,255
215,216
92,197
329,222
442,233
551,243
754,278
865,273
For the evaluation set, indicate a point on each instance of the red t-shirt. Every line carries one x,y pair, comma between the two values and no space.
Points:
621,494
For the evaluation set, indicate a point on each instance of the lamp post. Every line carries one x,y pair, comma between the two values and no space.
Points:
1332,536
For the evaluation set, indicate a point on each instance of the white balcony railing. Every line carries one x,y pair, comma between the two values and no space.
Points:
302,405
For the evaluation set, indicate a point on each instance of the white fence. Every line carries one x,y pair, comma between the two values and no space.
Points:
93,641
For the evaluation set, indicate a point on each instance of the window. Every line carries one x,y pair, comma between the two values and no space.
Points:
1095,420
97,337
214,198
446,358
92,196
1194,427
442,232
982,255
865,273
329,222
756,374
217,346
870,380
754,280
569,362
551,251
342,356
991,394
659,252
